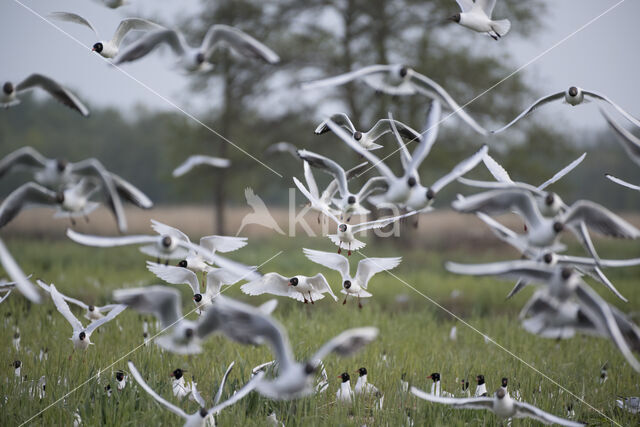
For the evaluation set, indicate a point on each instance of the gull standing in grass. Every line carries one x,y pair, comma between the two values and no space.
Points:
476,15
110,48
357,285
500,404
198,418
572,96
344,236
81,335
345,393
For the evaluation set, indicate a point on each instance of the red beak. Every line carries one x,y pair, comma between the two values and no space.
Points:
93,49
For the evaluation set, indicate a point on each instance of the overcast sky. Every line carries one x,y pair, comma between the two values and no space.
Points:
602,57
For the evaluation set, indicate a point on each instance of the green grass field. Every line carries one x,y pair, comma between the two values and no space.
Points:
413,334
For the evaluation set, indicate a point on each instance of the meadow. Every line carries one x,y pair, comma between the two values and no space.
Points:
414,336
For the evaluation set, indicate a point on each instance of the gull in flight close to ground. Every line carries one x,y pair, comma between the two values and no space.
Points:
297,287
198,418
357,285
81,335
110,48
10,92
500,404
248,325
17,276
197,59
572,96
476,15
92,312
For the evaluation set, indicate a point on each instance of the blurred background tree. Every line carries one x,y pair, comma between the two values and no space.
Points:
255,104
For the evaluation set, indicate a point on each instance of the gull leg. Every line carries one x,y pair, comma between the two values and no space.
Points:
345,299
166,261
311,298
349,252
157,260
359,303
340,247
305,299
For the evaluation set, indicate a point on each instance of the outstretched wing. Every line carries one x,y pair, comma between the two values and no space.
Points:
63,308
223,243
539,103
240,394
109,317
314,200
239,41
629,141
24,156
341,119
197,160
370,266
330,260
347,77
600,219
270,283
170,406
458,403
74,18
163,302
54,89
320,284
25,195
131,24
562,172
346,343
150,41
526,410
16,274
175,275
222,383
613,104
510,270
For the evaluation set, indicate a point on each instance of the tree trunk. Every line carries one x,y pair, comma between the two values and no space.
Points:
219,186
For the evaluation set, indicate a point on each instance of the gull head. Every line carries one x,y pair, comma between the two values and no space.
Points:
403,71
91,308
573,91
500,394
357,135
362,371
430,194
177,373
97,47
8,88
166,241
309,368
411,182
435,376
549,199
200,58
558,227
347,284
82,335
342,227
504,381
455,18
480,379
197,297
203,413
17,364
189,332
351,200
60,197
344,376
119,375
549,258
566,273
183,263
293,281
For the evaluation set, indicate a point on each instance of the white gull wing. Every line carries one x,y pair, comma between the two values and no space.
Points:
486,5
162,301
370,266
604,98
311,180
238,41
131,24
319,282
347,77
526,410
562,172
453,105
99,322
16,274
218,396
24,157
465,5
428,136
529,269
56,90
379,223
329,166
223,244
270,283
496,169
240,394
63,308
346,343
73,18
405,156
315,201
197,160
340,118
175,275
630,143
458,403
622,182
66,298
26,195
149,42
5,296
539,103
170,406
460,169
383,169
500,201
600,219
167,230
131,193
197,396
330,260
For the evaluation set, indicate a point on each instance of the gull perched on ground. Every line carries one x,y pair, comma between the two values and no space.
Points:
61,94
197,160
297,287
92,312
345,393
344,236
197,59
500,404
398,79
357,285
476,15
367,139
349,203
631,145
17,276
573,96
81,335
565,304
248,325
110,48
57,174
198,418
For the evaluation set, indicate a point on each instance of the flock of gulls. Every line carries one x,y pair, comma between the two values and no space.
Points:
562,306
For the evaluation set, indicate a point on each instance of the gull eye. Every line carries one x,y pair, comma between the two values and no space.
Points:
60,197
